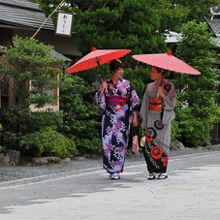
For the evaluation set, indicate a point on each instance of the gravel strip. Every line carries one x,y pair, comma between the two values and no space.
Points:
9,173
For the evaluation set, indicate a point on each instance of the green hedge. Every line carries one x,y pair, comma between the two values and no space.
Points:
47,142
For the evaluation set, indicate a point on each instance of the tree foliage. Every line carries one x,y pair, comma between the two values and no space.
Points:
30,61
197,108
80,115
139,25
171,14
34,133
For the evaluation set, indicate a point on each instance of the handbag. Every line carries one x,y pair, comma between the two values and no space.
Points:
135,144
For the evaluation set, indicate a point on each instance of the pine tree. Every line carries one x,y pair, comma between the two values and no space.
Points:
198,93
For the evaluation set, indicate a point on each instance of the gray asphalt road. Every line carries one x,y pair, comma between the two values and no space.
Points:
192,191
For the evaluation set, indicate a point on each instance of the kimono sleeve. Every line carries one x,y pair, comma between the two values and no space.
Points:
170,96
170,102
100,101
145,108
133,101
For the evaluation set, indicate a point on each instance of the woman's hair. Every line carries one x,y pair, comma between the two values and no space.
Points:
115,64
160,70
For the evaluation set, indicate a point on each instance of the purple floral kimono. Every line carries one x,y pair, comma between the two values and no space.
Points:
118,103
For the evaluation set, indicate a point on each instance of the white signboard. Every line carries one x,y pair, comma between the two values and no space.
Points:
64,23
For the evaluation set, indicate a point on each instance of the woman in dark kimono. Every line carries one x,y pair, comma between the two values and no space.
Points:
157,112
119,102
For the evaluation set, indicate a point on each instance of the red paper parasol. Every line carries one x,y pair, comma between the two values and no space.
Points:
96,58
166,61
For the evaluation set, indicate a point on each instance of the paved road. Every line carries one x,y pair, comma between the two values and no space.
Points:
192,191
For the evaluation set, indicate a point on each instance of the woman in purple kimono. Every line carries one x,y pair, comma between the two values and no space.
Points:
157,112
119,102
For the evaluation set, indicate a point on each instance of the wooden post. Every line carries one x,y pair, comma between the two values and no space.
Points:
56,92
47,19
11,98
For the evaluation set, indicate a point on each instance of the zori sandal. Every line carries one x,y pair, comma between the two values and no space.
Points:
151,176
162,176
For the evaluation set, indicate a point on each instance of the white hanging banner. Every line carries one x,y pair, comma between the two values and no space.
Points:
64,23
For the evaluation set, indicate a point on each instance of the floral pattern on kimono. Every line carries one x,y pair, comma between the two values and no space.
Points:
116,123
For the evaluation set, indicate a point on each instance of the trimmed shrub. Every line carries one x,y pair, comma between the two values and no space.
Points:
175,131
47,142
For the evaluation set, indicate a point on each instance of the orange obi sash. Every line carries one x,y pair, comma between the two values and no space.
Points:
155,104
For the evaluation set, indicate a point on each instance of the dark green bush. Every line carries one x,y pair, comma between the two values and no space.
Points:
47,142
31,145
17,123
197,110
9,139
175,131
82,117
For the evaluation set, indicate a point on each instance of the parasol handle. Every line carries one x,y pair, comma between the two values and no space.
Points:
97,60
160,86
161,82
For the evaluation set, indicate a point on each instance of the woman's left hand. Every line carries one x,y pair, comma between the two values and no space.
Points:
135,120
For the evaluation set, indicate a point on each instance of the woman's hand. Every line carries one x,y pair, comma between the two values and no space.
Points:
104,86
135,120
142,125
160,90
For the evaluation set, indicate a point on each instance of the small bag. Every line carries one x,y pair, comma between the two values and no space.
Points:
143,141
135,144
143,138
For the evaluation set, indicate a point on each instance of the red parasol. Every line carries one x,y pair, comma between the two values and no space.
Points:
166,61
96,58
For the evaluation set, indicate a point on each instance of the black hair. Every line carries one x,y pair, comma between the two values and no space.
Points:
115,64
161,70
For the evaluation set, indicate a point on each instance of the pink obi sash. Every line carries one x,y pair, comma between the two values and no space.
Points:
117,100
